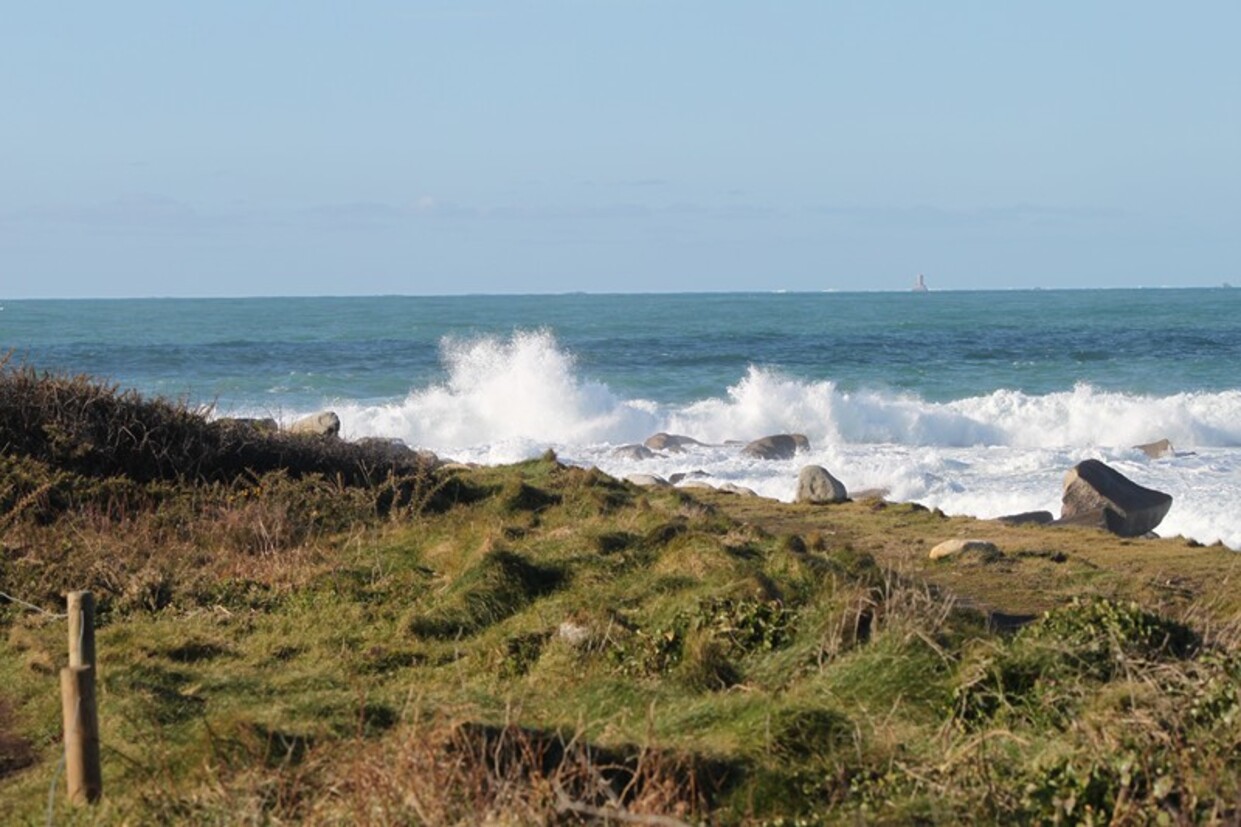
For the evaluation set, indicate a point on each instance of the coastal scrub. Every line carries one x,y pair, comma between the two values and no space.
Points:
290,631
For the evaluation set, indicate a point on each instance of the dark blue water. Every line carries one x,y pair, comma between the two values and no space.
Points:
671,348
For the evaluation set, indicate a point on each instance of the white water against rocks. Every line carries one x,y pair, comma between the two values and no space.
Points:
975,403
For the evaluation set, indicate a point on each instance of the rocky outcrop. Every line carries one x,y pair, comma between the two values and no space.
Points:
777,446
1097,495
983,549
816,485
635,451
672,443
324,423
1156,450
739,490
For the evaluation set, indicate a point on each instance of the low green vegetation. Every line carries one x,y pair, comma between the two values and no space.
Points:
330,640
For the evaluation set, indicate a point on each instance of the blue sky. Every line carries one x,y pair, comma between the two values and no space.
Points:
282,148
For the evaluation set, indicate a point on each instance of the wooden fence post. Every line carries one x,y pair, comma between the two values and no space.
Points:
78,706
77,701
82,629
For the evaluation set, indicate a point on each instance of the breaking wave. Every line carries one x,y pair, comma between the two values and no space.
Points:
527,390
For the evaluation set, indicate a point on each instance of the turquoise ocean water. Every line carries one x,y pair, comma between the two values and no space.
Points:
975,402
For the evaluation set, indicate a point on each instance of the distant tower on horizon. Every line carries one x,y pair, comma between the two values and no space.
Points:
920,285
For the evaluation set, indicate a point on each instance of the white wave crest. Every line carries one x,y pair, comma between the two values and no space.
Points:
527,389
509,398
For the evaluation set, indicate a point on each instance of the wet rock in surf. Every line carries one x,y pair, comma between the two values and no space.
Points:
815,484
1098,495
688,475
777,446
324,423
673,443
637,452
1156,450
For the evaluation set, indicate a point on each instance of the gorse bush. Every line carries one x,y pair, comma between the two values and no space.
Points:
79,425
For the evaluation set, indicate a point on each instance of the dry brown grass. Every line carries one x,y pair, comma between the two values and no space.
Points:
445,770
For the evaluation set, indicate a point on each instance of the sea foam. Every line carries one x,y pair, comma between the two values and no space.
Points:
507,399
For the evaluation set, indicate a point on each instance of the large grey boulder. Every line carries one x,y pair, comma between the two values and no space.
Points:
324,423
673,443
777,446
1097,495
816,485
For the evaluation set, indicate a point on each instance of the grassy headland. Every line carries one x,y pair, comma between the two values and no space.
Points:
294,629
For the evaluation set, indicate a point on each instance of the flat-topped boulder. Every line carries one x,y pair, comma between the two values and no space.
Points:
673,443
776,446
815,484
324,423
1098,495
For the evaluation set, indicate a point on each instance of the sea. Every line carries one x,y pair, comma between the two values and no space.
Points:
974,402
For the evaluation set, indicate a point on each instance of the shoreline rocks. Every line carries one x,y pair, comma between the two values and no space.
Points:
1157,450
986,550
816,485
1098,495
672,443
776,446
324,423
634,452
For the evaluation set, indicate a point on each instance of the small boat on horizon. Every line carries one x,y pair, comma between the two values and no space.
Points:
920,285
